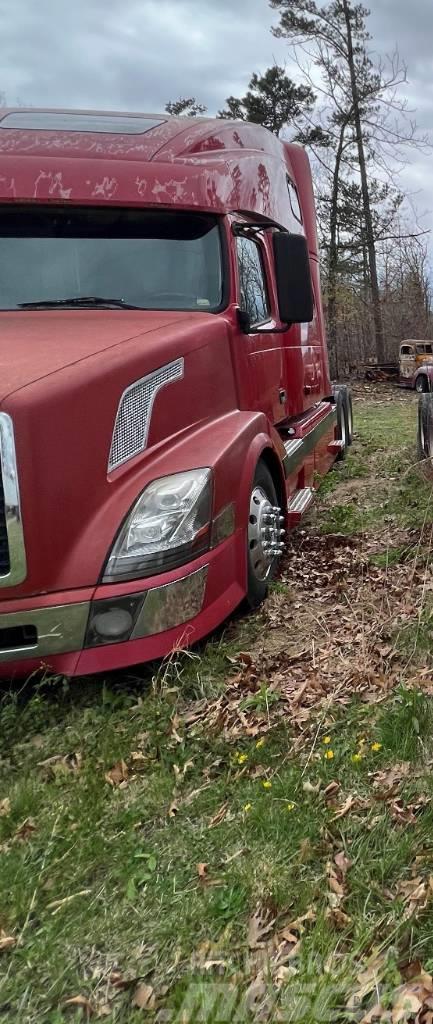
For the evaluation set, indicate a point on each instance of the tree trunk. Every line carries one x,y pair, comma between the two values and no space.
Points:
369,231
333,256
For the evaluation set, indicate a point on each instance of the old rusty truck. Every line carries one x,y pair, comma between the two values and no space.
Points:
166,408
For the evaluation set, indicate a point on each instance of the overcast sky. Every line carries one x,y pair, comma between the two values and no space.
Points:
137,54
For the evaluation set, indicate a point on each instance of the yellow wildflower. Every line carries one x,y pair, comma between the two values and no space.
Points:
241,758
376,746
290,806
260,743
356,757
247,808
326,739
267,784
329,755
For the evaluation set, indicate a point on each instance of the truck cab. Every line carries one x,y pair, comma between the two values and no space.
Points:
166,409
416,364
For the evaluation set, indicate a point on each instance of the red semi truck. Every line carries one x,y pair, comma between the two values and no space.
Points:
166,408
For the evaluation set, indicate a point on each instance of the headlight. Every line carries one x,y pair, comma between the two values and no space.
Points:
168,525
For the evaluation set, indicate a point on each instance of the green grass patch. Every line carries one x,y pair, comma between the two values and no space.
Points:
384,451
105,879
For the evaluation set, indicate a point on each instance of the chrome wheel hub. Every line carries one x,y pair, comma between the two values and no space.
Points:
265,533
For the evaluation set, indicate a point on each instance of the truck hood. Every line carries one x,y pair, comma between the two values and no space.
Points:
35,344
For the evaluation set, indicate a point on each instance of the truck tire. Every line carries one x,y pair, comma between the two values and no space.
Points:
261,565
422,384
342,426
425,431
349,408
344,391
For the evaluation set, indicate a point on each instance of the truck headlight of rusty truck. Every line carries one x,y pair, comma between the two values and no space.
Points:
168,526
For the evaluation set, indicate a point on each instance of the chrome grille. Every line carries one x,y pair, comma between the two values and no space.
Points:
4,543
13,567
131,428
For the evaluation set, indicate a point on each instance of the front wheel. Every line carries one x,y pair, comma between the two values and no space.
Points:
264,535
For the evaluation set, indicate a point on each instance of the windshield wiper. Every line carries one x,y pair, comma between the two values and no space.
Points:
85,301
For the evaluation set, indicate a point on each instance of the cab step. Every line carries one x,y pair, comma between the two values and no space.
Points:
336,446
298,504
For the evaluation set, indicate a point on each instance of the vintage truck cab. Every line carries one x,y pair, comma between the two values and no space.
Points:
416,365
165,408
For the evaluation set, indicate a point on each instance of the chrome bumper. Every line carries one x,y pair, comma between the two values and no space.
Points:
62,629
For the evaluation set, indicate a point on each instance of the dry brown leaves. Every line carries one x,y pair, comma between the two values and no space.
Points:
144,997
336,871
81,1003
416,893
118,775
323,640
412,1001
5,807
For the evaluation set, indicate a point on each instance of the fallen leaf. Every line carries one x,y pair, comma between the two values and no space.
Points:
260,925
5,807
409,1000
367,981
345,808
331,790
338,918
202,869
144,997
376,1015
81,1003
173,809
6,941
308,787
298,925
219,816
343,863
25,830
118,774
174,724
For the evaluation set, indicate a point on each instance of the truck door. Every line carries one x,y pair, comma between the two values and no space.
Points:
261,364
407,360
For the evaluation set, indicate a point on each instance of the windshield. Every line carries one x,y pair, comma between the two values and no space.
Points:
148,259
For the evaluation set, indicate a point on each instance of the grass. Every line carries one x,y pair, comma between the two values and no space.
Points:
383,461
139,855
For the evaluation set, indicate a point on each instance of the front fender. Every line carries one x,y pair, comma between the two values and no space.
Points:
230,445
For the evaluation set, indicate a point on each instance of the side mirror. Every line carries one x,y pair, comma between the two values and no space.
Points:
293,278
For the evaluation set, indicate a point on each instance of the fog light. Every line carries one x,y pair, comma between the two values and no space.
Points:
113,625
112,621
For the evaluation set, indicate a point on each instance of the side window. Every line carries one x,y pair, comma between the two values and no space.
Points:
254,298
406,350
294,200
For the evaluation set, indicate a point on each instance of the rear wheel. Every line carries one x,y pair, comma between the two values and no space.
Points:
349,407
421,384
264,535
425,431
342,425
